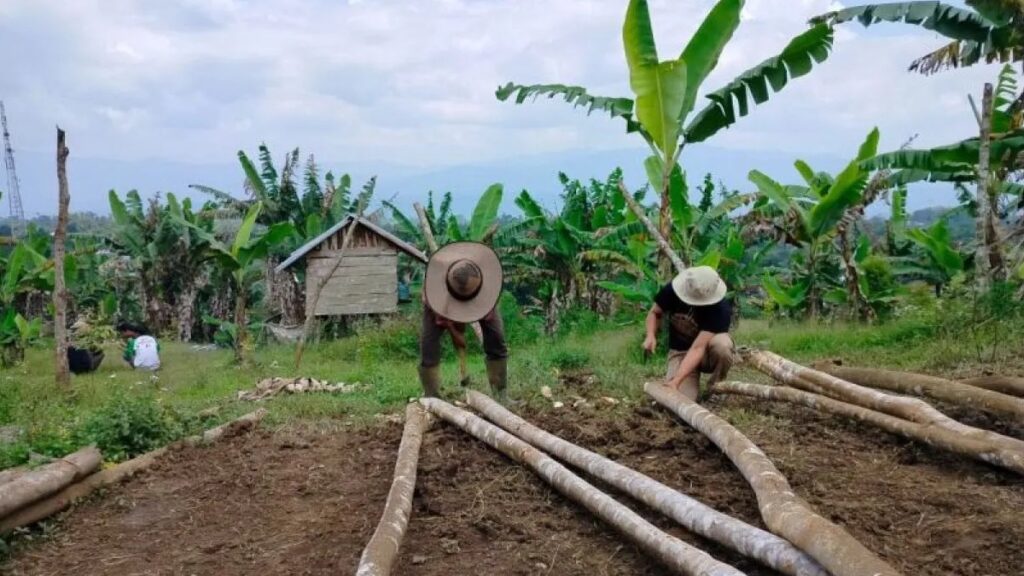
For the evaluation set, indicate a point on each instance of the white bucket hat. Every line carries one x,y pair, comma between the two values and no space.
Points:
699,286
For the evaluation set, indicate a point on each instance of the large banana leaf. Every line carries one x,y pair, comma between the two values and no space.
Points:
791,297
260,247
948,158
529,206
252,177
950,21
486,212
404,223
732,100
575,95
845,190
702,52
938,244
245,231
660,87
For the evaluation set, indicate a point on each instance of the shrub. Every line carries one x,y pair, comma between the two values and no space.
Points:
127,427
569,359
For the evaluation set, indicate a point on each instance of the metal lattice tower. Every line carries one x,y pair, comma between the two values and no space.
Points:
13,186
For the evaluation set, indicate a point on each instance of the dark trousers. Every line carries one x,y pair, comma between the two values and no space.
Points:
431,334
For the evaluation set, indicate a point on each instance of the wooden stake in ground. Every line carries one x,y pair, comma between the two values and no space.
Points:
930,386
734,534
912,409
679,556
60,292
925,433
783,511
663,244
33,485
381,552
1005,384
55,503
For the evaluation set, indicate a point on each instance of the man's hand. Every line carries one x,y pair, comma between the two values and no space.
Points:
650,344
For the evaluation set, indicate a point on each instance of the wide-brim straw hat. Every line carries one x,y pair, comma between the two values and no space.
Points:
699,286
463,281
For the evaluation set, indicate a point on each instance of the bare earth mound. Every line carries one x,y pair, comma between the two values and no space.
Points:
305,502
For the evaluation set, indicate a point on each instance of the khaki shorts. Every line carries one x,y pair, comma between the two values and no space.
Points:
717,360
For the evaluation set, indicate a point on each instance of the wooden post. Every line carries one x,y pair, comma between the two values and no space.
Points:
982,256
663,244
60,292
45,480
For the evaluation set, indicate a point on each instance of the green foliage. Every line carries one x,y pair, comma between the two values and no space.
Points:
569,359
128,426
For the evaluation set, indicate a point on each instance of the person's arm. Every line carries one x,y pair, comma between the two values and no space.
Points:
652,323
691,362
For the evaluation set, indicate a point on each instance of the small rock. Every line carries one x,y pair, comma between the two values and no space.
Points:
418,559
450,545
610,400
557,405
545,391
540,566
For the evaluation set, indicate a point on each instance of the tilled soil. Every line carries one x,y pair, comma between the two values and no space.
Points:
305,501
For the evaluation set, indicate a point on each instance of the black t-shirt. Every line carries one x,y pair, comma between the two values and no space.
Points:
685,322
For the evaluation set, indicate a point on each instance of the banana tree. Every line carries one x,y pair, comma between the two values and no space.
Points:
665,92
237,258
992,32
22,272
410,230
808,217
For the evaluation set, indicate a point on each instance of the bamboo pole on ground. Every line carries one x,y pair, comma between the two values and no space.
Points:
32,485
934,436
913,409
783,511
1005,384
930,386
56,502
663,244
382,550
679,556
730,532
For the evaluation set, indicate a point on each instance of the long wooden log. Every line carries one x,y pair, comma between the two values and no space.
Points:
1005,384
913,409
677,555
783,511
382,550
47,479
930,386
55,503
730,532
662,242
932,435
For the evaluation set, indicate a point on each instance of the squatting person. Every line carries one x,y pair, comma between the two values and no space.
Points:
141,350
462,285
699,317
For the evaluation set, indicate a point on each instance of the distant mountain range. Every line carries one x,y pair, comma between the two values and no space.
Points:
91,178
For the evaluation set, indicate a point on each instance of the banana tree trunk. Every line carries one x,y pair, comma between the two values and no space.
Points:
677,555
186,311
859,306
989,255
241,330
1005,384
734,534
382,550
45,480
284,293
931,387
912,409
925,433
783,511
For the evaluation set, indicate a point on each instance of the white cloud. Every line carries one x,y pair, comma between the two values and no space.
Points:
413,81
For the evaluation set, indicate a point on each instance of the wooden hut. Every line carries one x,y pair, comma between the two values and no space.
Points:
366,282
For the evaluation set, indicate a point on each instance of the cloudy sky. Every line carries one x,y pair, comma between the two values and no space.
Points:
157,94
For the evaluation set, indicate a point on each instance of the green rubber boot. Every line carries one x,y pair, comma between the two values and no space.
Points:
430,378
497,377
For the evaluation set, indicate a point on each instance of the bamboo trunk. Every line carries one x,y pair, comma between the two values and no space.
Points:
930,434
912,409
734,534
31,485
930,386
55,503
783,511
60,291
382,550
679,556
1005,384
